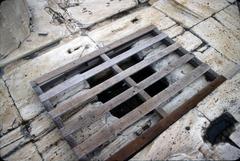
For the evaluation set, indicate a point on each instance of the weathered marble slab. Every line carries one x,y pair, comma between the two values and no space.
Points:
130,24
91,11
188,12
218,62
18,78
230,18
224,98
220,38
9,116
188,41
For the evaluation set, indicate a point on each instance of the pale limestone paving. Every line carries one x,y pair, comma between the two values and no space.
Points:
91,11
177,139
217,62
224,98
188,12
174,31
26,153
49,140
130,24
230,18
235,135
188,41
12,140
220,38
221,151
18,79
41,125
60,152
9,116
14,27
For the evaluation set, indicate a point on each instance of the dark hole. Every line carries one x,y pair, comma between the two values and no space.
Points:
100,77
128,62
220,129
112,91
118,51
126,107
135,20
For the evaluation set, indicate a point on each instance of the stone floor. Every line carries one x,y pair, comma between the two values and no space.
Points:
209,29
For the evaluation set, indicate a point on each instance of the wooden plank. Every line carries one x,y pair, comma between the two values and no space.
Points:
85,119
140,142
77,79
66,68
112,130
81,98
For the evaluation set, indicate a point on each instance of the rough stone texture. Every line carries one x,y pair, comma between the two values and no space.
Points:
14,25
60,152
12,140
9,116
173,140
224,98
230,18
235,135
48,140
18,79
220,38
217,62
174,31
129,24
27,153
41,125
222,151
188,41
188,12
91,11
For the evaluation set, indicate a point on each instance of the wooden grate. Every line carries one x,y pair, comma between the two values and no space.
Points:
70,76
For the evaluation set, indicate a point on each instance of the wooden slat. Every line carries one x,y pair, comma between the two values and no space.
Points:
140,142
77,79
112,130
81,98
66,68
85,119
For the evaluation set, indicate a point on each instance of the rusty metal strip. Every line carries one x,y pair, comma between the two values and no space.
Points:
141,141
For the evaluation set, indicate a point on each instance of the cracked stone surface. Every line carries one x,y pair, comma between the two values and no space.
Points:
230,18
174,31
130,24
9,116
26,153
220,38
188,41
91,11
18,79
224,98
217,62
189,12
